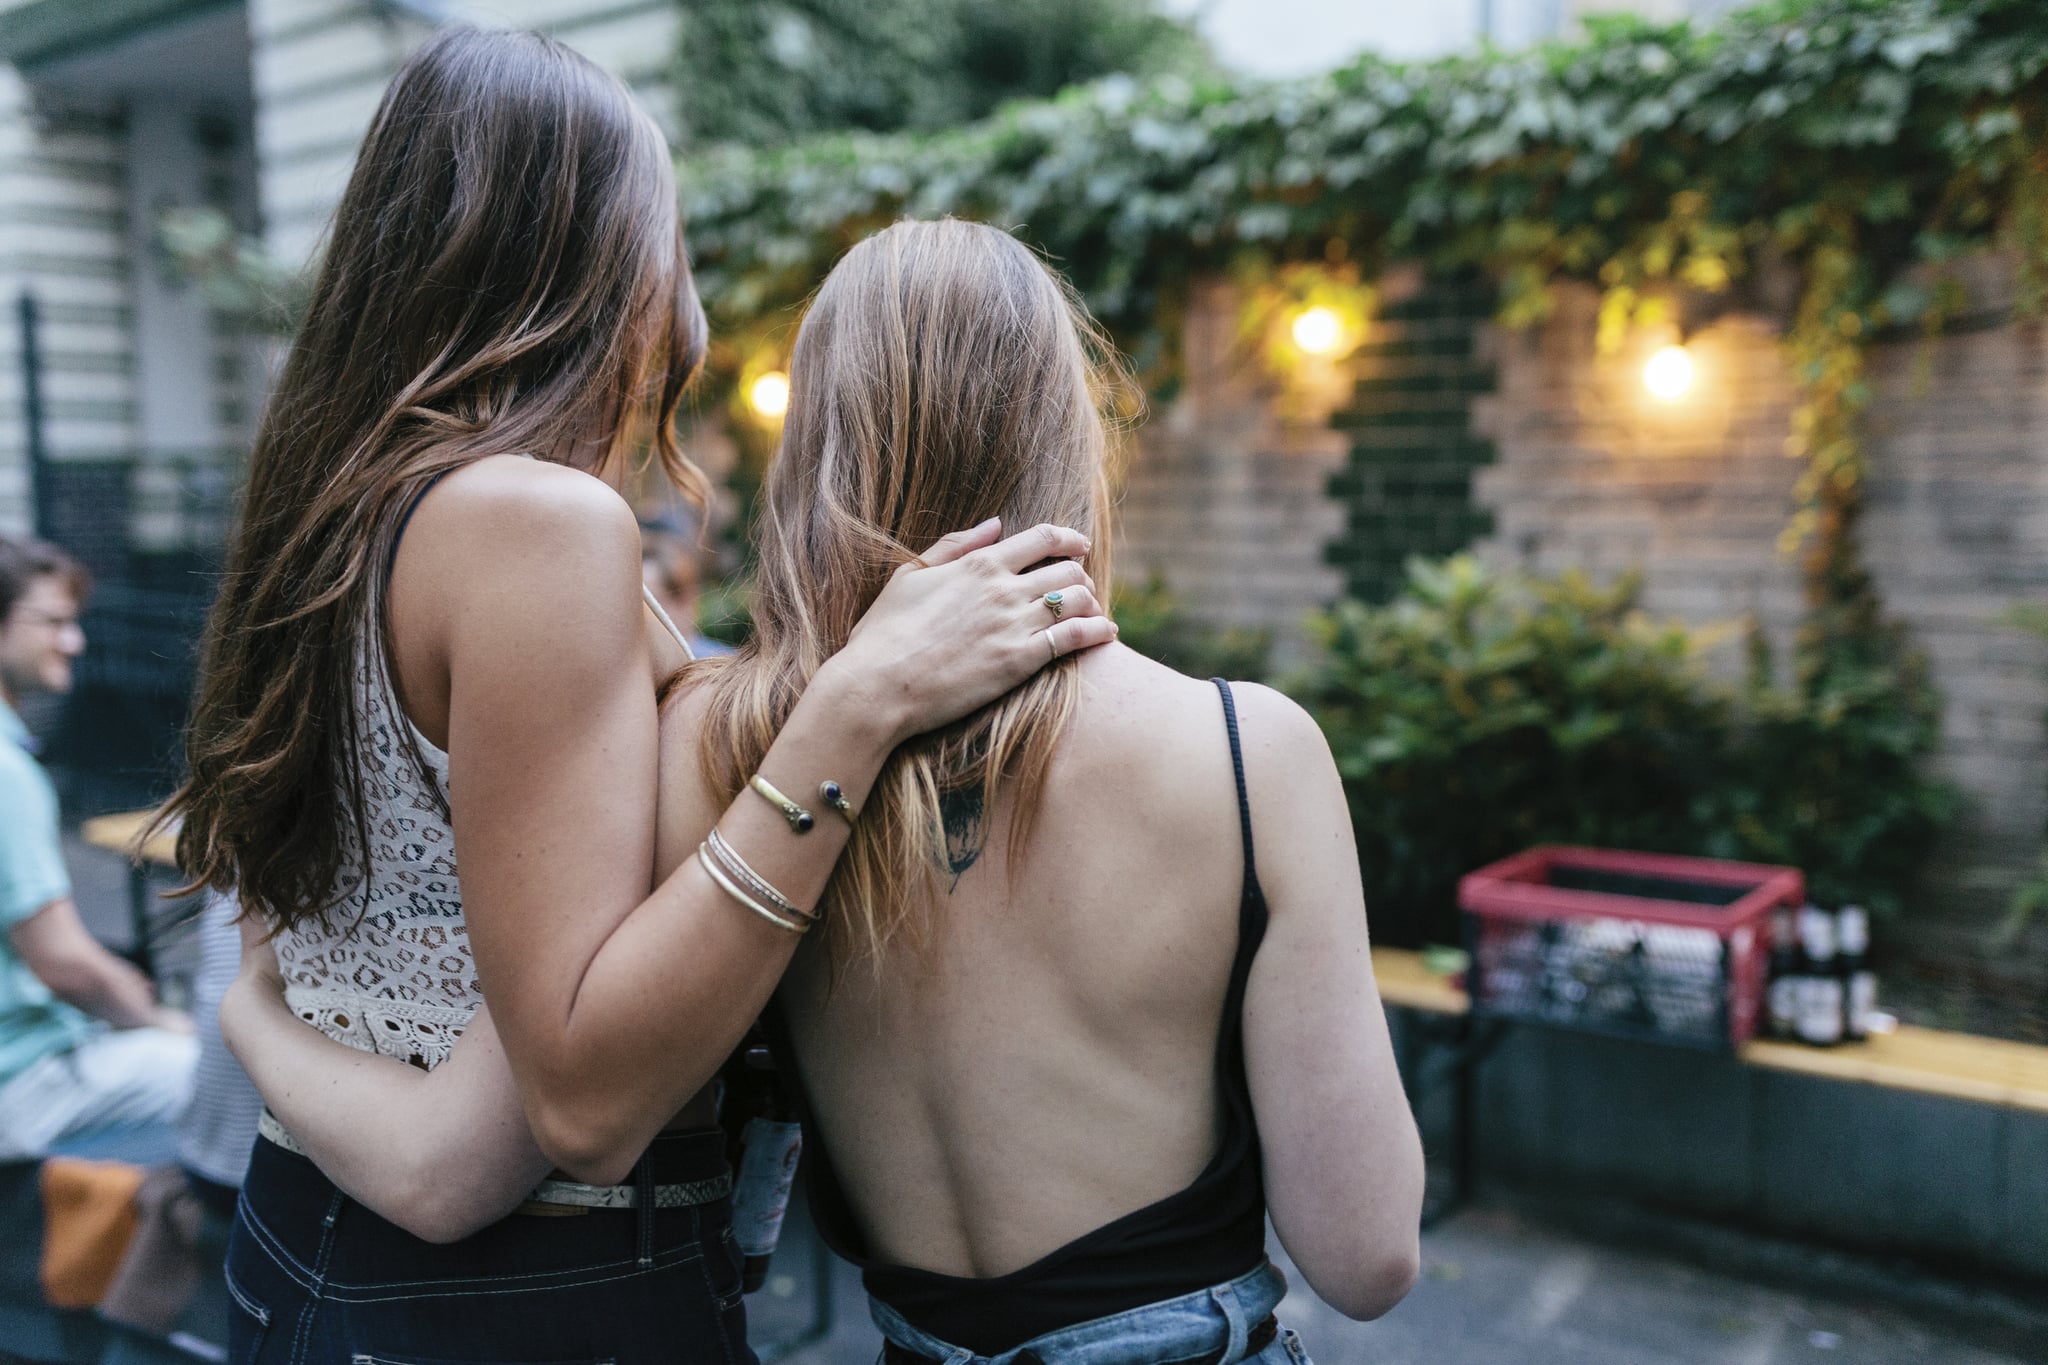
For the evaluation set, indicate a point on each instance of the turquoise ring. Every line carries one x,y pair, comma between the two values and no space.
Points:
1053,602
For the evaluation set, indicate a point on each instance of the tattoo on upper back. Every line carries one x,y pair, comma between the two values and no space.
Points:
966,835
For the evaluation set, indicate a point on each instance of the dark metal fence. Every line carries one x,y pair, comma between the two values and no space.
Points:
152,531
152,527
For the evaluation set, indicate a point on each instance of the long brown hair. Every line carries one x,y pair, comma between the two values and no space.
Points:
505,275
941,376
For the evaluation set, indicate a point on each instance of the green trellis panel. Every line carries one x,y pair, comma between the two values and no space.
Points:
1407,484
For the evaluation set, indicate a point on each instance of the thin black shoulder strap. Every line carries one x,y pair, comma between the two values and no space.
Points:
405,520
1244,800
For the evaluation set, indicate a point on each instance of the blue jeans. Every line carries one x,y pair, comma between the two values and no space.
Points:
318,1279
1219,1324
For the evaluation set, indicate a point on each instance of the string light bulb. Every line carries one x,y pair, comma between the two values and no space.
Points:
769,395
1669,374
1319,331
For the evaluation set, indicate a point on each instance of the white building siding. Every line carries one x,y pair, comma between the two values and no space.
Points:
70,236
320,66
63,221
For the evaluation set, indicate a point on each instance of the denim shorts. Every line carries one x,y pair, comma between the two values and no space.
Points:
1227,1324
318,1279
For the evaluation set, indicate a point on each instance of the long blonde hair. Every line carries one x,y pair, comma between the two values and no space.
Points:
942,375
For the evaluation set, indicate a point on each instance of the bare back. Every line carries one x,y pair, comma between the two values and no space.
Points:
1053,1066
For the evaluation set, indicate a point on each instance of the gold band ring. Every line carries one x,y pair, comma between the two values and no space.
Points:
1052,650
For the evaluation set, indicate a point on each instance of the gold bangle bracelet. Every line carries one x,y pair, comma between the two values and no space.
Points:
717,874
834,795
800,820
741,871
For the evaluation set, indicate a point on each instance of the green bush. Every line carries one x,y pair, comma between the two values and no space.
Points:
1829,775
1479,714
764,72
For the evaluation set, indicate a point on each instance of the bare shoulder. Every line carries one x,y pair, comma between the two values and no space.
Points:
511,540
1277,733
1130,700
508,503
1300,815
1147,747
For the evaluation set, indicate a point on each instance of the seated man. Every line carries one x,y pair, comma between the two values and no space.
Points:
84,1046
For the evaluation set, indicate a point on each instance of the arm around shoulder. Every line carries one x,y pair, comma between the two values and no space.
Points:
1343,1160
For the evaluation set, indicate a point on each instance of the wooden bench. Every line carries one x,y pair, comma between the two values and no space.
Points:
1956,1066
1443,1043
119,834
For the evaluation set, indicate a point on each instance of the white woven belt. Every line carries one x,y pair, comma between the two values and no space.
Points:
567,1192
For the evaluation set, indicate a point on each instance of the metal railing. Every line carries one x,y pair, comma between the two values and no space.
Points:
152,527
152,530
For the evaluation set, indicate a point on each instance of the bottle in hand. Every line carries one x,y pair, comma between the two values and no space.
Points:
764,1140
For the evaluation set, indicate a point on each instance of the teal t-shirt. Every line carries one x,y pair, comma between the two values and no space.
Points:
33,1023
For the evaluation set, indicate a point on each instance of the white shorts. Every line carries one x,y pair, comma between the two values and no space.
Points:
116,1078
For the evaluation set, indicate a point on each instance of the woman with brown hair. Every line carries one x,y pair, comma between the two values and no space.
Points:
430,649
1094,993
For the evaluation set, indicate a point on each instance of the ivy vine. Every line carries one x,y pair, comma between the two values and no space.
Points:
1861,145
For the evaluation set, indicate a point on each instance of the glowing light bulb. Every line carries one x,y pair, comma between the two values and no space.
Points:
1669,374
769,395
1319,331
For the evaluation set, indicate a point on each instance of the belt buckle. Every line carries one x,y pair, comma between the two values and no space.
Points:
539,1208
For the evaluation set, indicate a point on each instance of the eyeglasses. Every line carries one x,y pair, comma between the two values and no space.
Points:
68,621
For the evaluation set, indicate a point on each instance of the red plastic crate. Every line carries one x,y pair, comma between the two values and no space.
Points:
1641,945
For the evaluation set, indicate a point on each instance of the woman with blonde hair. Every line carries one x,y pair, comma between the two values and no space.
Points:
423,753
1092,993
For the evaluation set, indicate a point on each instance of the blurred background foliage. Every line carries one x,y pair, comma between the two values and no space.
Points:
768,72
1854,149
1480,713
1828,161
1153,620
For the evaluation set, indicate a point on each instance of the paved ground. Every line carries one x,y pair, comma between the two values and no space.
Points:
1521,1284
1505,1286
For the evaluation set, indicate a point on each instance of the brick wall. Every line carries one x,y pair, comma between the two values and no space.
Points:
1227,497
1593,472
1225,492
1239,489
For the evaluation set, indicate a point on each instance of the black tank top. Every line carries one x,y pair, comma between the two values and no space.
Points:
1210,1232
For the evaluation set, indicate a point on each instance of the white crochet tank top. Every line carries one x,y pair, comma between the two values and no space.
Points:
394,975
389,969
